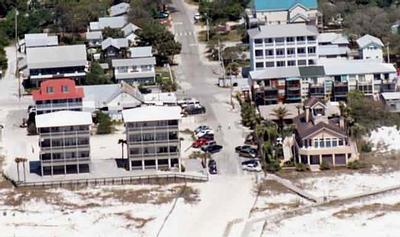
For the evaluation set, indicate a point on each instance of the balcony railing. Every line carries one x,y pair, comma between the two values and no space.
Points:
136,129
167,154
64,160
65,133
153,141
63,147
59,105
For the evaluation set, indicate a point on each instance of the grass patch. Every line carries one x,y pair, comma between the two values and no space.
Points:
378,208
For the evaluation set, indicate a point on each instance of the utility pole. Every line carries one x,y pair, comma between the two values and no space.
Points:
16,54
388,52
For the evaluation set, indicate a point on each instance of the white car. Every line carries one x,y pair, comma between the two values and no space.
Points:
197,17
255,167
204,132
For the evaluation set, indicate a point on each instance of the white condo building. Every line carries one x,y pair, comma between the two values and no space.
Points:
283,46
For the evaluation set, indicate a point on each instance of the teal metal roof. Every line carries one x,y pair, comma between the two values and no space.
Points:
274,5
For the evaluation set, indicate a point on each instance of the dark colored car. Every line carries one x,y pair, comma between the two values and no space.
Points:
248,162
195,109
240,148
209,137
248,153
212,167
212,148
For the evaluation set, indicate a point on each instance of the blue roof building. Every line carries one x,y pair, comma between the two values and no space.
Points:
283,5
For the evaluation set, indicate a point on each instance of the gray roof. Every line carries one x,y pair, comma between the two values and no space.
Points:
94,35
117,43
272,73
40,40
327,50
391,95
332,38
133,62
367,40
286,30
119,9
140,52
57,56
343,67
312,71
116,22
134,75
129,29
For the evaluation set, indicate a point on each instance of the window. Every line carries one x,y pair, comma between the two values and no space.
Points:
260,65
328,142
64,88
269,41
269,64
279,41
340,142
334,142
49,89
291,63
301,62
315,143
280,52
280,63
300,38
311,62
310,38
259,53
269,52
122,69
290,40
361,78
311,50
301,50
321,142
290,51
258,41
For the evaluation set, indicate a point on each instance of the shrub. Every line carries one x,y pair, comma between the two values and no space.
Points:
366,147
301,167
104,123
355,165
289,163
31,128
272,166
325,165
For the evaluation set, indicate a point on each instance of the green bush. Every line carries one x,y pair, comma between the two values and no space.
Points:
104,123
301,167
325,165
272,166
355,165
366,147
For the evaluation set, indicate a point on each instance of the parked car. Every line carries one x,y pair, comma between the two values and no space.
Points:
240,148
209,143
204,132
212,167
212,148
248,152
199,143
194,109
247,162
197,17
201,128
256,167
187,102
209,137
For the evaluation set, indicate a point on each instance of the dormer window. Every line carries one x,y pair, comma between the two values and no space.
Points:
64,88
50,89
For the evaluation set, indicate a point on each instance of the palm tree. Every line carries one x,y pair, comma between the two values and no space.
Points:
280,112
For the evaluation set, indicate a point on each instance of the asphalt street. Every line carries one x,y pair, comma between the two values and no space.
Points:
199,80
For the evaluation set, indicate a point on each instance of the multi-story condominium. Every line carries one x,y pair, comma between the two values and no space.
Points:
152,134
288,45
64,142
332,79
37,40
285,11
135,70
56,62
370,48
56,95
319,138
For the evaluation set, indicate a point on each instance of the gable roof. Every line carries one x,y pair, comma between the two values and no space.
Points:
94,35
140,52
117,43
283,5
133,61
116,22
367,40
56,56
57,93
286,30
310,102
332,38
129,29
63,118
305,129
119,9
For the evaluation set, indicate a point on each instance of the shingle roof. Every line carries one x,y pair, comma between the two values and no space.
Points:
57,56
275,5
305,129
63,118
312,101
117,43
367,40
119,9
286,30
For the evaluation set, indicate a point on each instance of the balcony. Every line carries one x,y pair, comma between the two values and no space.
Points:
301,42
258,45
47,147
85,159
59,105
65,133
301,55
135,143
155,128
144,155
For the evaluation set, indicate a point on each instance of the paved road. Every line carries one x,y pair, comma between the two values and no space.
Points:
199,80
